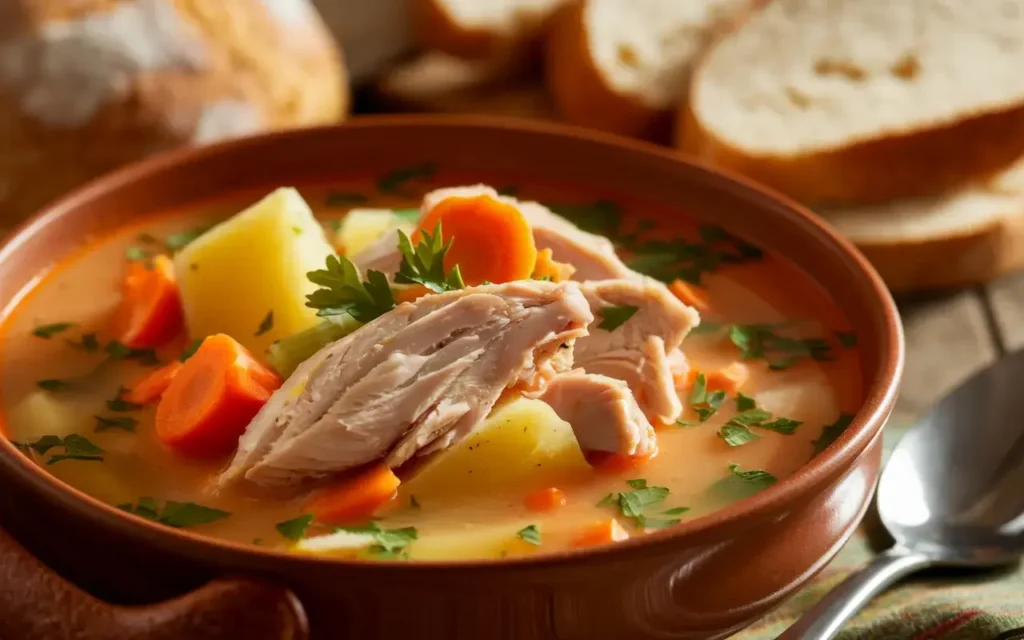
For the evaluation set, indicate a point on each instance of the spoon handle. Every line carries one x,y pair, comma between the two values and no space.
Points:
823,620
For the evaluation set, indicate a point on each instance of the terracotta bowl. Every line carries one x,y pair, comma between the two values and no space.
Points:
704,579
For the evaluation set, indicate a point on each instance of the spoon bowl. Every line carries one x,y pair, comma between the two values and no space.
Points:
951,494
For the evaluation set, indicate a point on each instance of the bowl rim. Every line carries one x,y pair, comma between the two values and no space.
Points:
879,397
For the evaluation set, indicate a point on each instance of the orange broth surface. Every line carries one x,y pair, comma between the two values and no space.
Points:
473,517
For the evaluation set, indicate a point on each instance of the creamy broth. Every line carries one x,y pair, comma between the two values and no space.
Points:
481,521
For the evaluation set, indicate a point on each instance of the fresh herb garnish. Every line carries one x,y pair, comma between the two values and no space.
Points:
675,511
847,339
413,502
529,533
831,432
342,291
117,351
294,529
119,404
342,198
409,216
396,181
124,423
88,342
614,316
387,543
603,217
704,404
761,341
757,477
744,402
266,324
76,447
634,504
190,350
751,416
47,331
178,241
424,264
689,260
136,254
736,435
53,384
174,514
741,484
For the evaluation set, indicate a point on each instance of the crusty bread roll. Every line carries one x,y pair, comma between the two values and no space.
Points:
438,82
866,101
623,65
88,85
968,236
483,29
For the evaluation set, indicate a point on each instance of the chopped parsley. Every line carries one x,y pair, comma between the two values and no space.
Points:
831,432
343,198
704,404
88,342
75,447
743,484
736,434
754,476
761,341
744,402
117,351
388,544
530,534
124,423
614,316
395,183
53,384
413,502
751,416
266,324
636,503
424,264
847,339
47,331
603,217
295,528
119,404
174,514
342,291
689,260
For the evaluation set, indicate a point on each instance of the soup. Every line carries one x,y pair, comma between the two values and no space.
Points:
473,375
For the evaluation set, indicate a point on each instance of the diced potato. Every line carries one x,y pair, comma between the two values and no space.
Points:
492,541
360,228
252,265
522,444
43,413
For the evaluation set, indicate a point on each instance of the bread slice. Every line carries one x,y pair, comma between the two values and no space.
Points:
483,29
969,236
622,65
866,101
439,83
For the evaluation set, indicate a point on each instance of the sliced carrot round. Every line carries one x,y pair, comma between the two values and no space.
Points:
149,389
212,398
149,313
491,240
355,498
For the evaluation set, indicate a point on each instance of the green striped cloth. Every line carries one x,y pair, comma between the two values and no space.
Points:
934,606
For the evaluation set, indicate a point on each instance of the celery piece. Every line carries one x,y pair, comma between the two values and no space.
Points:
287,354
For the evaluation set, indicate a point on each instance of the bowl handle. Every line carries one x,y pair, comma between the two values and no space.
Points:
36,603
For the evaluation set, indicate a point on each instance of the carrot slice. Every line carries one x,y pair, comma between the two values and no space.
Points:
492,241
602,532
546,499
355,498
689,294
149,313
548,267
411,293
149,389
729,378
212,398
615,463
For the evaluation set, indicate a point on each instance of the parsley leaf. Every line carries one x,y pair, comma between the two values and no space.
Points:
614,316
603,217
831,432
750,417
266,324
413,502
342,198
53,384
395,182
744,402
700,388
689,260
174,514
410,216
736,434
88,342
741,484
124,423
119,404
754,476
178,241
117,351
76,447
294,529
47,331
705,404
785,426
847,339
424,264
342,291
388,543
761,341
530,534
675,511
633,504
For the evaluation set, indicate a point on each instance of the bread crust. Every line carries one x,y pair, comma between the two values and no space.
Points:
580,92
436,30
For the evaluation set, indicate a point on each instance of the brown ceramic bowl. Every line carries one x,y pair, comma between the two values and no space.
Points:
704,579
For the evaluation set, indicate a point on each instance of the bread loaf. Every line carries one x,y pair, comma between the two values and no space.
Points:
623,65
866,101
88,85
483,29
969,236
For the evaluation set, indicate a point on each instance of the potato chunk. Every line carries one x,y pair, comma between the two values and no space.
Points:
251,267
361,228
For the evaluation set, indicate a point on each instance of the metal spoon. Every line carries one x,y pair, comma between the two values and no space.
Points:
952,494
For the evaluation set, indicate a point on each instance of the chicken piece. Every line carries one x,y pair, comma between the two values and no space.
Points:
643,350
603,413
417,379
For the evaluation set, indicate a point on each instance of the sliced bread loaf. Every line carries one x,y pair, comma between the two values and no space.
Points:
483,29
622,65
968,236
866,101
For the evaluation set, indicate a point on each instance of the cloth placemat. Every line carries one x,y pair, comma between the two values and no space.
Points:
937,605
